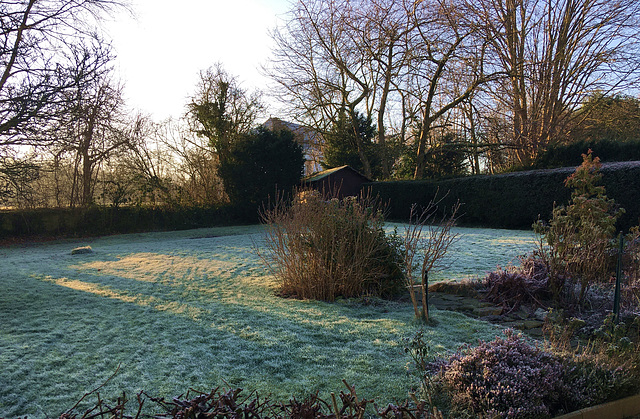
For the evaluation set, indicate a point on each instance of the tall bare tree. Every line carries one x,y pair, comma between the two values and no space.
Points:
447,67
35,39
386,59
193,163
94,125
327,76
556,53
221,109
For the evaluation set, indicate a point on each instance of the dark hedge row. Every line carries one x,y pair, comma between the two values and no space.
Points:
107,220
512,200
570,154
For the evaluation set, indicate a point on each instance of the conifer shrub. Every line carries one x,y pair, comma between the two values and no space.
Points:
580,235
323,248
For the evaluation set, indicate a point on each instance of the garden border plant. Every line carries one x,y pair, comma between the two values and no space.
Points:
512,377
432,249
579,237
321,247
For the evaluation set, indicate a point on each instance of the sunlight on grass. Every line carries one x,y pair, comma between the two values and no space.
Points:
196,309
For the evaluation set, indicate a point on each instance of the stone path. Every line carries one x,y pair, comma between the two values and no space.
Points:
474,307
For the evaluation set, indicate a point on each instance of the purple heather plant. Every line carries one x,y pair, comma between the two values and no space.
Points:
506,378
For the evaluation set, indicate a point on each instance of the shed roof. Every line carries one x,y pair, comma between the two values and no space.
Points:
326,173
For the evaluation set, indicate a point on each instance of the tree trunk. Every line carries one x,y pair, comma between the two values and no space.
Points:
425,297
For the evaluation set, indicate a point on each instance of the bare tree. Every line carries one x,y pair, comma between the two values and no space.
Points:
366,55
338,56
556,53
221,109
17,177
34,36
94,125
447,67
192,162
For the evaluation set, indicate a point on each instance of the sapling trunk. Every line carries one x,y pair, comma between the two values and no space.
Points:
425,296
433,248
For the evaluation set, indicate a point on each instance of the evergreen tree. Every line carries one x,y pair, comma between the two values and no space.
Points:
259,165
341,147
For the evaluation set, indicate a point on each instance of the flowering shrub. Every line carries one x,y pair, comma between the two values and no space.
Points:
505,378
592,380
510,378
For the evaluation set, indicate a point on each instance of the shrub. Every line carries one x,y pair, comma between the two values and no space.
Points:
232,404
604,369
579,236
322,248
515,286
594,381
510,378
505,378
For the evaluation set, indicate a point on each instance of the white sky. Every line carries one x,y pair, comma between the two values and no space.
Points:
161,50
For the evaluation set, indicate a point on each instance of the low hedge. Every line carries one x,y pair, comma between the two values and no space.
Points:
511,200
109,220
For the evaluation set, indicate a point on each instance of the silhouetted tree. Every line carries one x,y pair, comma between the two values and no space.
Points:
259,165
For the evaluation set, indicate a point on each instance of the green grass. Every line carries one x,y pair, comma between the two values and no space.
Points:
197,309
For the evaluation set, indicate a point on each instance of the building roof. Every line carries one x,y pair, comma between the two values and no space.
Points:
315,177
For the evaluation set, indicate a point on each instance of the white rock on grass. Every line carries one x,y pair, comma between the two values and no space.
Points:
82,250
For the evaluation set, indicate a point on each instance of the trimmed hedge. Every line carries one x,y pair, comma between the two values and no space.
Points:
108,220
570,154
511,200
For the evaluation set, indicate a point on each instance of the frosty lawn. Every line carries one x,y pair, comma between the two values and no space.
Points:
197,309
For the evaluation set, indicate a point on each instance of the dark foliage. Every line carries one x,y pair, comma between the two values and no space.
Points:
230,404
446,158
259,165
341,147
615,118
511,200
609,150
97,221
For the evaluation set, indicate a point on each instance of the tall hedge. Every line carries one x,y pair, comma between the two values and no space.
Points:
512,200
608,150
108,220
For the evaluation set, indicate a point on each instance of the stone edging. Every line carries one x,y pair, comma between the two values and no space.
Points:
619,409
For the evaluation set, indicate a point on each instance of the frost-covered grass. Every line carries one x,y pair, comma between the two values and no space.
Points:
197,309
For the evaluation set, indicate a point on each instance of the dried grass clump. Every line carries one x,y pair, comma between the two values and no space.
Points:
323,248
513,287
